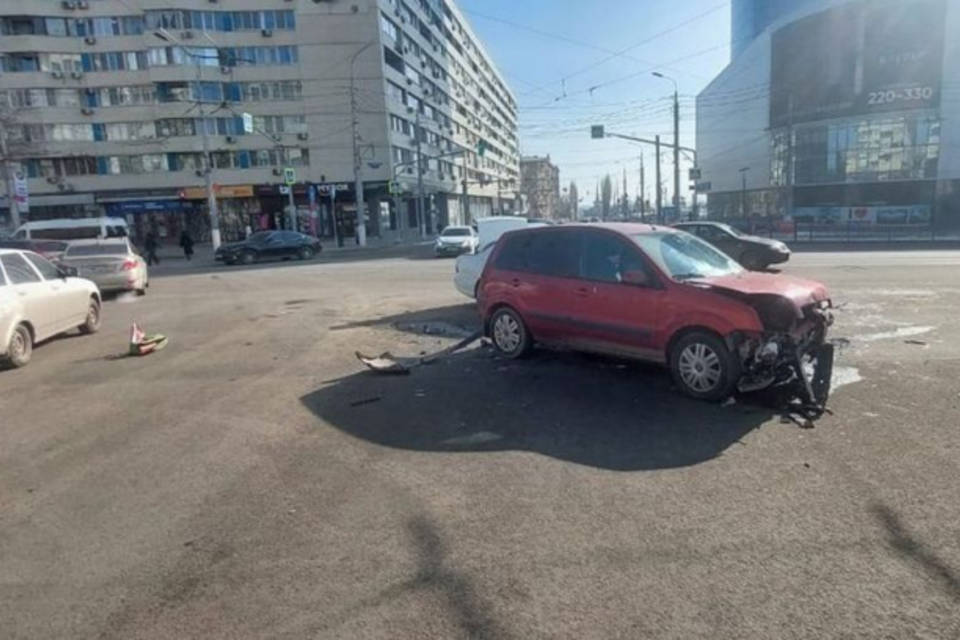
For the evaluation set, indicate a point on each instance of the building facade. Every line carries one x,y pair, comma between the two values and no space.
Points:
837,111
540,184
106,105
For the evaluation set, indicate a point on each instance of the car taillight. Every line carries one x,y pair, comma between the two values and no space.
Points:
129,265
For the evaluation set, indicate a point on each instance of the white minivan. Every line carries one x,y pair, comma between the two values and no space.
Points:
73,229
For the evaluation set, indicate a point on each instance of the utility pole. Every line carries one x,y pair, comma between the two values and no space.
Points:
357,160
8,180
466,194
421,209
743,191
643,193
676,139
659,192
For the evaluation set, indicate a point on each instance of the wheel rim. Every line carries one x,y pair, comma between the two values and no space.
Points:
700,367
19,346
93,315
507,333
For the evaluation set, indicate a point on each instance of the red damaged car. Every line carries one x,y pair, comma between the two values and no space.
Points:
658,294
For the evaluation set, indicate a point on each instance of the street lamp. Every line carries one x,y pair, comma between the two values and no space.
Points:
166,36
357,160
743,191
676,138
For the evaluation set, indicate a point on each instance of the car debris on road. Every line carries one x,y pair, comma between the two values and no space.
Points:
387,363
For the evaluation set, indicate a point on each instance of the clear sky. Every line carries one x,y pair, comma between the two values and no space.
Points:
558,58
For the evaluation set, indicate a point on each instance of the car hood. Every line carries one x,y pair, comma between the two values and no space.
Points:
799,291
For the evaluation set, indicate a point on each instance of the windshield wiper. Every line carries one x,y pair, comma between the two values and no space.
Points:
688,276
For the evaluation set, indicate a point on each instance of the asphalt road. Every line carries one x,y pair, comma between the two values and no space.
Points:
250,481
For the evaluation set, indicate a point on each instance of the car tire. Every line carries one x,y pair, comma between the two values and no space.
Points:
21,347
752,261
305,253
703,367
248,257
92,322
509,334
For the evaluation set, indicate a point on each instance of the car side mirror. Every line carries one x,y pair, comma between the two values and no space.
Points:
636,277
67,272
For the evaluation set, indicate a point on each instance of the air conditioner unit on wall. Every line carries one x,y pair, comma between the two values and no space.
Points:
90,40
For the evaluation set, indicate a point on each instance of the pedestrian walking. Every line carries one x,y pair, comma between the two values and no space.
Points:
151,244
187,243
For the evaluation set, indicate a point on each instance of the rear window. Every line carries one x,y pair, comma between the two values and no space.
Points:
82,250
554,254
450,233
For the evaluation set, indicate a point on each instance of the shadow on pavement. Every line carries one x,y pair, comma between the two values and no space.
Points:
463,317
906,546
592,411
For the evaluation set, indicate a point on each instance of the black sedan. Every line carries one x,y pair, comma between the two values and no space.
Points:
753,252
269,245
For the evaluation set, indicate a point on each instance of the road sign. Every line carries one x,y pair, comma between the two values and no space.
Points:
247,123
704,186
695,173
21,193
284,190
289,176
596,131
395,188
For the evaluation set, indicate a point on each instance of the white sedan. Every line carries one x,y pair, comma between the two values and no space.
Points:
38,300
468,270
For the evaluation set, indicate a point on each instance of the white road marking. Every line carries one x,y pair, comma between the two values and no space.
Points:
843,376
474,438
902,332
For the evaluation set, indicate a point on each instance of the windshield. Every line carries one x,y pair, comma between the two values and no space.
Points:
260,237
683,256
455,231
81,250
731,230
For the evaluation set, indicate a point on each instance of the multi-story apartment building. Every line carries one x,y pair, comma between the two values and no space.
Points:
107,104
540,185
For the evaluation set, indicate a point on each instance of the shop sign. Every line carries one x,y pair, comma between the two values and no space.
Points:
222,191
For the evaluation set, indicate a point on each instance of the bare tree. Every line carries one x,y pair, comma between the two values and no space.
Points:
606,196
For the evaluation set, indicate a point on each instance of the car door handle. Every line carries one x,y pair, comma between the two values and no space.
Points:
583,292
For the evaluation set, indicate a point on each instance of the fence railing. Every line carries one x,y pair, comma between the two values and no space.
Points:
854,232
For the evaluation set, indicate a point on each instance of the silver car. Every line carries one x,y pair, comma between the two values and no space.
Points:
38,300
112,263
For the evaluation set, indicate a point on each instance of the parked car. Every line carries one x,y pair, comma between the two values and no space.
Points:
50,249
38,300
656,294
466,276
113,263
455,240
753,252
269,245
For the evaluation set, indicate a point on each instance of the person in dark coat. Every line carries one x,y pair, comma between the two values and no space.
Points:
187,243
151,244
